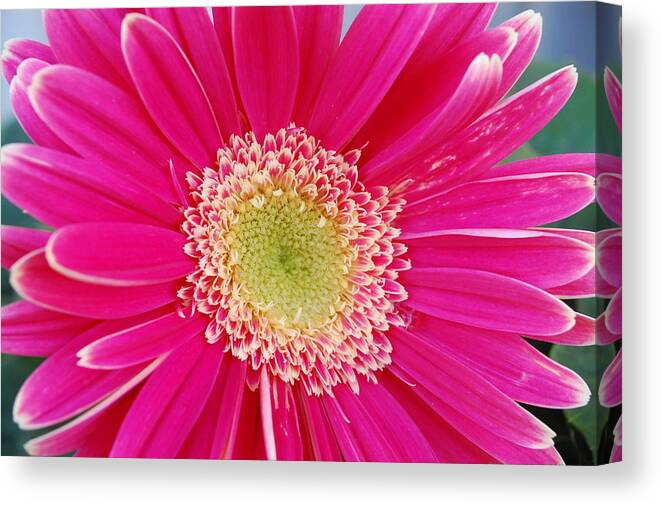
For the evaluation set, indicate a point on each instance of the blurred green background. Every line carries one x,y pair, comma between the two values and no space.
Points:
584,435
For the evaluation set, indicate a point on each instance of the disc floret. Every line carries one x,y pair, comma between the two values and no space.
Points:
296,262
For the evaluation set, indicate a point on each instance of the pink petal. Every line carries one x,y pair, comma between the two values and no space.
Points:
324,443
89,39
609,195
232,381
249,443
528,26
319,29
119,254
616,452
466,391
59,389
28,330
215,432
507,361
267,65
287,431
194,32
169,403
617,432
33,125
34,280
87,435
436,118
614,95
349,434
402,434
604,288
450,445
583,333
75,433
451,24
434,86
397,424
266,415
508,202
105,125
99,444
604,336
585,163
583,287
16,51
485,300
170,89
373,52
364,433
483,436
18,241
609,259
613,317
142,342
610,388
497,134
589,237
59,189
540,259
222,23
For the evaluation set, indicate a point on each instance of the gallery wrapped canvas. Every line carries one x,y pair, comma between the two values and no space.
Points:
377,233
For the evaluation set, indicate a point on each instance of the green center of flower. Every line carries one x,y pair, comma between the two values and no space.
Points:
288,260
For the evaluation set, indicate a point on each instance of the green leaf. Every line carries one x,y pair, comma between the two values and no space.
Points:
590,363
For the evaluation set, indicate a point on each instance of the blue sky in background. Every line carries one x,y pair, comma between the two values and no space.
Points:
569,34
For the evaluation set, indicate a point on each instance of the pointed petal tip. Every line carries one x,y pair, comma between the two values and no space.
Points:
527,21
131,18
40,82
587,396
545,440
609,75
534,20
572,71
15,273
512,35
16,50
583,393
84,358
87,361
6,46
31,448
22,418
129,22
568,73
569,316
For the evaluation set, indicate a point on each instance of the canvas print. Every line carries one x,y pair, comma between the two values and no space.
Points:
362,233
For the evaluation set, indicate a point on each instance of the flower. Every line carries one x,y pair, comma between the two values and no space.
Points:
270,244
609,265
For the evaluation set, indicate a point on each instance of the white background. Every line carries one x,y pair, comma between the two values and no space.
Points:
637,480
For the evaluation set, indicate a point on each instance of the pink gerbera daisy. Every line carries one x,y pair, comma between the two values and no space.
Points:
268,243
609,265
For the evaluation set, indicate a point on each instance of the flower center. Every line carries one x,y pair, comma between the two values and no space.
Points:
289,259
297,262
